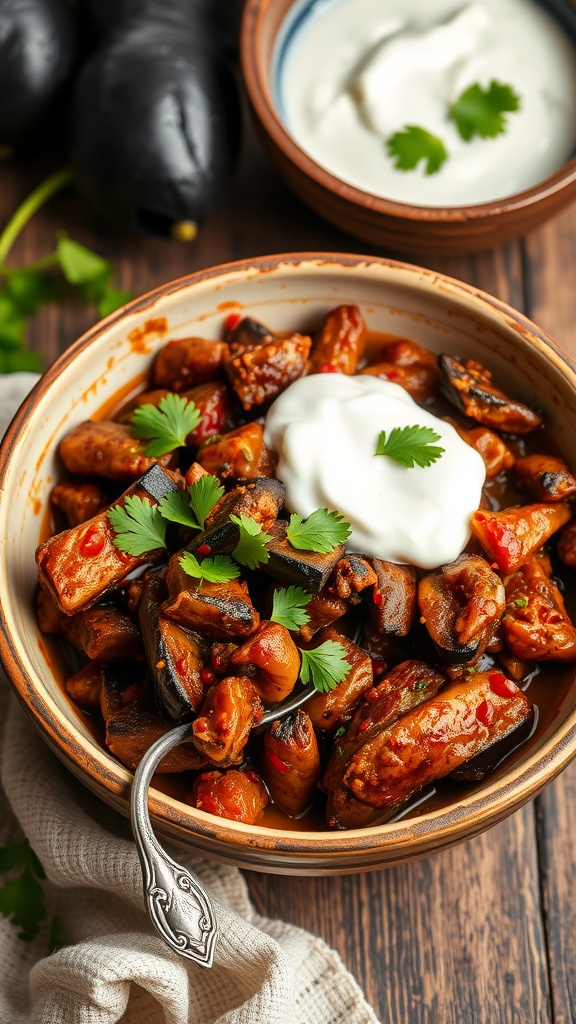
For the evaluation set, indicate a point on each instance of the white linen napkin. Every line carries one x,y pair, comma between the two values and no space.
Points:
112,966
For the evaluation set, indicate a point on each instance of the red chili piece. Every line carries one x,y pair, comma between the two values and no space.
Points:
363,726
378,667
232,321
253,776
377,597
501,686
204,549
92,542
181,666
277,763
371,695
201,725
207,676
327,368
392,375
485,713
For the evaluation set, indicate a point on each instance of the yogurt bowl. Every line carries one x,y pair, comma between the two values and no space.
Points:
288,292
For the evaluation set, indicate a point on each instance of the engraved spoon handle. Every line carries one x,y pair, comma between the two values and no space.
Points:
177,903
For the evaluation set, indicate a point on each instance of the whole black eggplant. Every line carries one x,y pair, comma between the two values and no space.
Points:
155,129
38,48
217,20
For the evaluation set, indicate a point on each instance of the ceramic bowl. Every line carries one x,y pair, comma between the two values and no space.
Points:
288,292
397,227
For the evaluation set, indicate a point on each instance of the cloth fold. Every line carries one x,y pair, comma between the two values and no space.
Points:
112,966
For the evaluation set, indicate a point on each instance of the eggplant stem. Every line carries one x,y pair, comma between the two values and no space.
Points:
28,208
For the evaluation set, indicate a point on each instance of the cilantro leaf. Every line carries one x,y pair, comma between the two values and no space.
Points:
166,426
325,666
176,508
111,299
204,494
410,446
80,265
12,323
321,532
413,144
220,569
138,525
29,289
479,111
288,604
22,897
251,547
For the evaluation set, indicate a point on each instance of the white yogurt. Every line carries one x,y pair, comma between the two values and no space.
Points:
324,430
357,71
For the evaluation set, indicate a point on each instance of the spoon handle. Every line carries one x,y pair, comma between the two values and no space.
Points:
177,903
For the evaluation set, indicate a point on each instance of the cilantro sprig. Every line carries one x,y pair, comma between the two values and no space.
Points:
22,896
410,446
251,547
165,426
191,507
220,569
479,111
321,532
413,144
138,525
325,666
288,604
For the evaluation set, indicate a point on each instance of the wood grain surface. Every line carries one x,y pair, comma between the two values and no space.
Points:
484,933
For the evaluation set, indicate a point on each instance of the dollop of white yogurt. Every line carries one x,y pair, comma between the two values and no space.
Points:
325,428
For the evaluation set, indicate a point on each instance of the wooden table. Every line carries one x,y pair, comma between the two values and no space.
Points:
482,934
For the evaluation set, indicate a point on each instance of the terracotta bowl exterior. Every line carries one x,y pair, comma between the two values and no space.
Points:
397,227
288,292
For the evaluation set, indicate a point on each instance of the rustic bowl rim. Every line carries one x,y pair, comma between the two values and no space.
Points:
257,84
96,768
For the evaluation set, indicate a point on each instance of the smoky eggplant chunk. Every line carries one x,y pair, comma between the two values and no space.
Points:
216,610
329,710
340,343
78,566
306,569
248,333
175,656
478,767
237,795
260,499
461,605
260,372
496,454
350,576
238,455
104,634
405,363
291,763
79,501
213,399
109,449
185,362
435,739
567,545
144,398
545,477
85,686
231,708
394,599
511,537
48,615
271,659
536,624
323,609
132,724
469,386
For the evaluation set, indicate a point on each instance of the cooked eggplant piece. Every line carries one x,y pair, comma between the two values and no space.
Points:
323,609
175,656
109,449
248,333
104,634
469,386
185,362
85,686
77,567
461,605
304,568
291,763
478,767
409,365
435,739
341,342
214,403
218,610
50,618
194,472
144,398
217,24
260,499
545,477
567,545
514,667
238,455
261,372
79,501
510,538
231,708
497,456
237,795
271,659
394,601
329,710
133,725
351,575
536,624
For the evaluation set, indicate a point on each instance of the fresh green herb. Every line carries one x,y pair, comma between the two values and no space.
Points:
469,670
410,446
520,602
138,525
340,751
220,569
325,666
251,547
420,685
191,507
413,144
165,426
479,111
288,604
22,897
321,532
23,290
341,731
